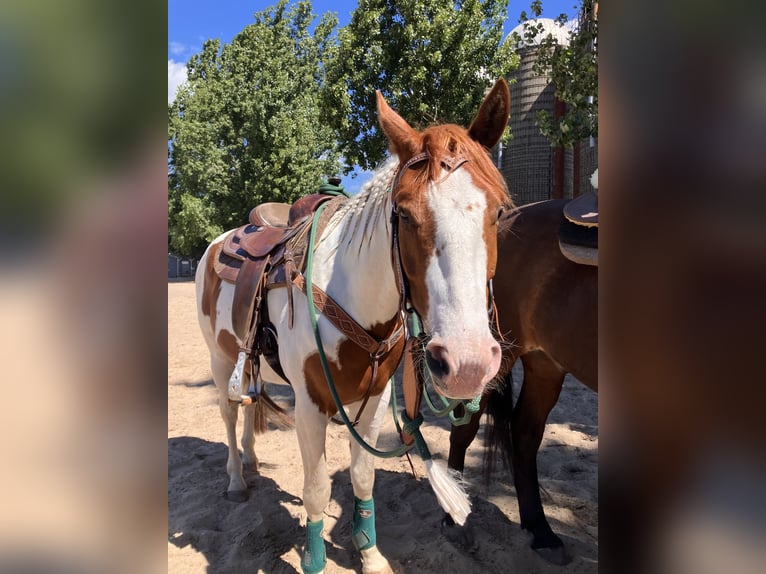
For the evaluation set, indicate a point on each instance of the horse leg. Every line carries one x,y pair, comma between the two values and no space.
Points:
311,428
539,393
462,436
222,369
249,459
363,478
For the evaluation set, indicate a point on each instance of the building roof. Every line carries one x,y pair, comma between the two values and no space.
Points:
549,26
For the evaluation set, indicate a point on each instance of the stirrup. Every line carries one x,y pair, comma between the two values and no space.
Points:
235,382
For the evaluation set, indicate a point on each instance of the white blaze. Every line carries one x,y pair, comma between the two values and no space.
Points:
456,276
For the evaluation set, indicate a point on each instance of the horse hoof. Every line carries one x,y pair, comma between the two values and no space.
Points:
236,495
460,536
557,555
374,563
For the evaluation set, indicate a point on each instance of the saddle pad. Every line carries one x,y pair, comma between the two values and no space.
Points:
579,254
578,243
578,235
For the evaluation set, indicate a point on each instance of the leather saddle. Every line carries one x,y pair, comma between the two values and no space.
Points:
578,234
265,253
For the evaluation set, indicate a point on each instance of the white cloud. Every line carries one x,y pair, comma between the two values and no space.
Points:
176,77
176,48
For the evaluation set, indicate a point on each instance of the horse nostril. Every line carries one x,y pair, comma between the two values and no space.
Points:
436,359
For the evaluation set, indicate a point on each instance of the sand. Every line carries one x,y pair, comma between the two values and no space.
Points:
207,533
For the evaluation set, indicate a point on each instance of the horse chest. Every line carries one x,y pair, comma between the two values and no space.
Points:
351,371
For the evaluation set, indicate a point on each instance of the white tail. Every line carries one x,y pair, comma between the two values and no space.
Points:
449,492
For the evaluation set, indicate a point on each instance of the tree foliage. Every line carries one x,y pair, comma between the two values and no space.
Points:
246,127
573,69
432,59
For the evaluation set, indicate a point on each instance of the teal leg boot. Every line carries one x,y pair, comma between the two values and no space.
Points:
314,556
363,531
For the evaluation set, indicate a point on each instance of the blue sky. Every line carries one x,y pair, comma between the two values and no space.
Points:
191,22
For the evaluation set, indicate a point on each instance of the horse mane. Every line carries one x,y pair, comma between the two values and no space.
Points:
367,205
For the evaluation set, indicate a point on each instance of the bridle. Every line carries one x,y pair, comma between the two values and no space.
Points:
419,338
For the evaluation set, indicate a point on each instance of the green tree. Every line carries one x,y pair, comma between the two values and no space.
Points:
246,127
573,68
433,60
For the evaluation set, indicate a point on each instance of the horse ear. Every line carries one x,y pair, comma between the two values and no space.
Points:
403,139
489,124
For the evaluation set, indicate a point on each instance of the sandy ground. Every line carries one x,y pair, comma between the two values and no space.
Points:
207,533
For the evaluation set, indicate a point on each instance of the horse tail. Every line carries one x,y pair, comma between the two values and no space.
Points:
499,429
267,410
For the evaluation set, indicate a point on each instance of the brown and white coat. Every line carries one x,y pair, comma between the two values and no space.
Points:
447,235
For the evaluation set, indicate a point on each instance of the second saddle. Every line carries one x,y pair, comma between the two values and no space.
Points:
578,234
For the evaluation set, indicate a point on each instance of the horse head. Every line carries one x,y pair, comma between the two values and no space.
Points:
447,197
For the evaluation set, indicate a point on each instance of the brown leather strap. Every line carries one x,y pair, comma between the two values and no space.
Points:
355,332
417,158
247,299
348,326
289,271
411,384
451,163
295,248
373,375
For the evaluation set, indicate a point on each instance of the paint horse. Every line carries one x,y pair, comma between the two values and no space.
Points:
548,307
421,234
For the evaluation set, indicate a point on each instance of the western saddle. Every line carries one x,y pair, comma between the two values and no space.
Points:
578,234
267,252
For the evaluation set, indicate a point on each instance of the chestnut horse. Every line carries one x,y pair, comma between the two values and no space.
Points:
422,234
547,307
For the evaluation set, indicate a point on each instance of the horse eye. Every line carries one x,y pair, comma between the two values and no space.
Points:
500,213
404,215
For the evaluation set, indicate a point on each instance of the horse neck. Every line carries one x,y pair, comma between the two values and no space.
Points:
353,259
